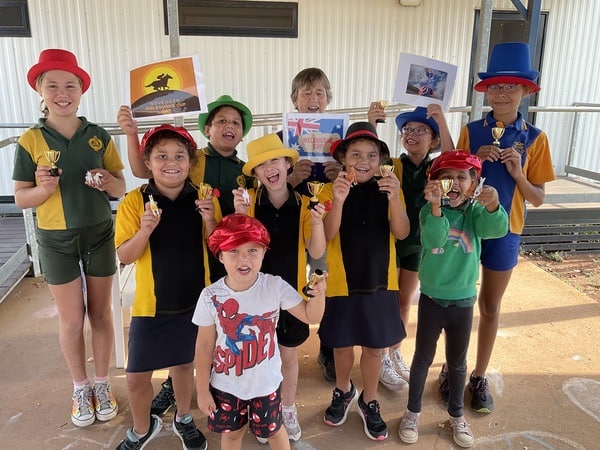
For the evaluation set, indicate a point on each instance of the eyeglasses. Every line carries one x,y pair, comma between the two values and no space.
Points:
496,88
416,131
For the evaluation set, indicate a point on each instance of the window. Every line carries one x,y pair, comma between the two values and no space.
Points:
236,18
14,18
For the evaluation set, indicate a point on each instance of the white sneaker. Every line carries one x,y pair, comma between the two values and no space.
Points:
461,432
106,406
409,427
290,421
399,364
389,377
82,411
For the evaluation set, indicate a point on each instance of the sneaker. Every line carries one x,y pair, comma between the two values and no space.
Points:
290,422
461,432
82,412
106,406
399,364
164,400
443,388
191,437
389,377
409,427
341,402
374,426
328,365
132,442
481,399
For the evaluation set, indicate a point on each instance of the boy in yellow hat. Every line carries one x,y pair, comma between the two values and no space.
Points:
295,229
53,162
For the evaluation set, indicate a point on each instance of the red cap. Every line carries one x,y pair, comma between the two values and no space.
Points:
181,131
237,229
454,159
58,59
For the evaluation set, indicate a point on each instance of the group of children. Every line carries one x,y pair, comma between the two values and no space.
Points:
221,248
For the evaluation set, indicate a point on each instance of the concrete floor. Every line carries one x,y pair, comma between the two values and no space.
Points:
544,375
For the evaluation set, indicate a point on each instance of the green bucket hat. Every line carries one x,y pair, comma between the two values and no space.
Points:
226,100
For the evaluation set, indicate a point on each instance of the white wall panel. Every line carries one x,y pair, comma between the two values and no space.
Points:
356,42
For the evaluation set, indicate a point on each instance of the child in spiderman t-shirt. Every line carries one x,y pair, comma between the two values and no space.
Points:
238,365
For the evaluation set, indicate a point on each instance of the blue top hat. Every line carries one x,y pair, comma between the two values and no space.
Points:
510,62
419,114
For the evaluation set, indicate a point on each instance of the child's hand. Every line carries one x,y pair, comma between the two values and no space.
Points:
512,160
376,112
488,198
126,120
46,181
241,200
206,208
434,111
332,168
390,185
433,192
317,213
206,402
341,186
149,221
489,153
300,172
319,288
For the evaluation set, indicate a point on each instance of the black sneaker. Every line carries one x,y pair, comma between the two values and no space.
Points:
375,428
164,400
443,388
328,365
341,402
191,437
481,399
132,442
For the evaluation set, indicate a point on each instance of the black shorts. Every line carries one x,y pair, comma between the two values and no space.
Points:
291,332
161,342
232,413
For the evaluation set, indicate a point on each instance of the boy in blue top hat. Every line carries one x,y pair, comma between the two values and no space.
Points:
516,161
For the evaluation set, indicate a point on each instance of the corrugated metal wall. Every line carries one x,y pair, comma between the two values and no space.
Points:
356,42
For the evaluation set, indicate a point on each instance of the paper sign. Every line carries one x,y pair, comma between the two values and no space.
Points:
421,81
168,88
313,134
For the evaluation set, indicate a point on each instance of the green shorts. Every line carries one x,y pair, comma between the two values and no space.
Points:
62,250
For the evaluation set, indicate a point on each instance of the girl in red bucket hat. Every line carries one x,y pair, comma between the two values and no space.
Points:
67,167
451,237
516,161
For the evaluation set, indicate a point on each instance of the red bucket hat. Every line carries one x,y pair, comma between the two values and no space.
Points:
237,229
58,59
455,159
181,131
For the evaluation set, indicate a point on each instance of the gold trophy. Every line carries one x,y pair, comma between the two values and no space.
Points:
53,156
384,169
497,133
315,188
204,191
241,182
383,104
314,278
445,186
153,206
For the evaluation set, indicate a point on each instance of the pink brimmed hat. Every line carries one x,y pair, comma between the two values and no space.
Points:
58,59
509,63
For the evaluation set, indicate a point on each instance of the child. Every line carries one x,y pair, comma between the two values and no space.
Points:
161,227
518,168
451,238
422,130
294,229
367,216
238,366
74,221
225,123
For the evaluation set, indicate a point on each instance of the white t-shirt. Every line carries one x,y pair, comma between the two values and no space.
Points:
246,360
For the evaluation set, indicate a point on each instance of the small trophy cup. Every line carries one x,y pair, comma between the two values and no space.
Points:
497,133
241,181
53,156
153,206
383,104
384,169
315,188
312,280
445,186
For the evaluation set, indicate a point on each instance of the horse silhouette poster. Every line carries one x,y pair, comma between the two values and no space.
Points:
172,87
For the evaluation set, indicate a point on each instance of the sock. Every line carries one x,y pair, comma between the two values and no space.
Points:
100,379
80,384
